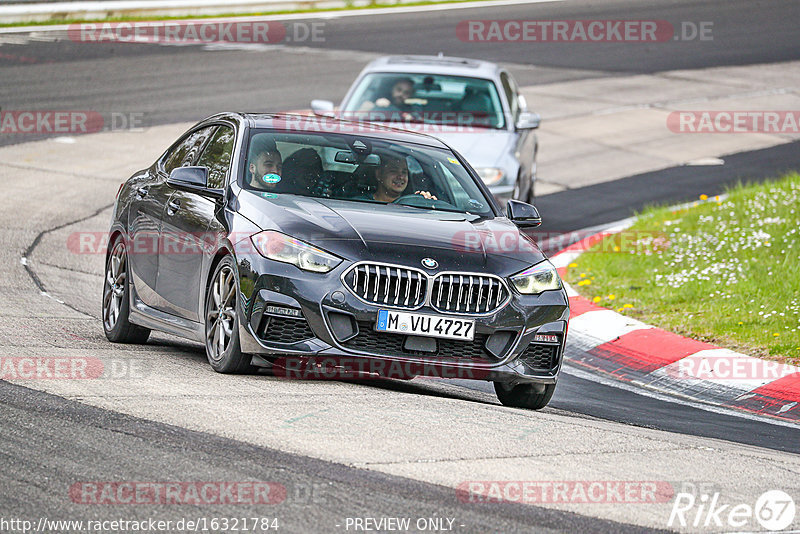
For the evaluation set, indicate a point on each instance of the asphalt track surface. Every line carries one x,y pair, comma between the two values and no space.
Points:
136,449
47,439
181,83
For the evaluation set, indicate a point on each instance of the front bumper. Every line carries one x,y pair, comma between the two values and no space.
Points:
287,314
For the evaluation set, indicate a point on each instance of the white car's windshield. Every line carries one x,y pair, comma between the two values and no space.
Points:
429,98
360,169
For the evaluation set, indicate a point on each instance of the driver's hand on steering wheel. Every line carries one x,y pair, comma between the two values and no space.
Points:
426,194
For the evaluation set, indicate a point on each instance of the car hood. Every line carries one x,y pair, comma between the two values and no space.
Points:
396,234
483,147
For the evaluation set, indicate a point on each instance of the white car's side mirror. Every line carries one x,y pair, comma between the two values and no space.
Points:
324,108
528,120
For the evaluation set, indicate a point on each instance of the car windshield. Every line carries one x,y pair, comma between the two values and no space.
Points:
428,98
361,169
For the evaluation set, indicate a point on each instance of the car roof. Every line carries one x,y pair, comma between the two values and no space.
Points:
315,124
435,65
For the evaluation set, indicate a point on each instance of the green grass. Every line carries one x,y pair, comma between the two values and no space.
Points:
260,14
725,271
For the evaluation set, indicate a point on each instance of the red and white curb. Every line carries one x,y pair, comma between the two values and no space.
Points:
631,351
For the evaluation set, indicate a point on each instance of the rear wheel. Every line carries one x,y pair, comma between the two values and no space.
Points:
116,298
530,396
222,322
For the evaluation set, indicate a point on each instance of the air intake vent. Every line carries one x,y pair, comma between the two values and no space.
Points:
390,344
468,293
405,287
284,329
395,286
540,357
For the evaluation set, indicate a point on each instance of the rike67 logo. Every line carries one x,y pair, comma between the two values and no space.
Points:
773,511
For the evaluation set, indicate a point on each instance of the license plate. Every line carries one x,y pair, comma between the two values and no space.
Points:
418,324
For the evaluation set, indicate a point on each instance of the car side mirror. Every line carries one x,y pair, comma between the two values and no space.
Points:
323,108
528,120
523,214
194,180
188,176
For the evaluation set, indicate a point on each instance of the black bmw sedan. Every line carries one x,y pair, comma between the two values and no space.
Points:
330,249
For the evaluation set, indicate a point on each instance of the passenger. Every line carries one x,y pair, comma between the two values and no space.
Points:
303,170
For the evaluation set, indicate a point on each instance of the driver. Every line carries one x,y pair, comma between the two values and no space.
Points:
401,91
392,180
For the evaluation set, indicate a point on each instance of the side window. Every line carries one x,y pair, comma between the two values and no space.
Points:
510,89
186,152
217,156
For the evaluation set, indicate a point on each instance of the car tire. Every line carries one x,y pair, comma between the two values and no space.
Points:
517,193
116,298
221,320
530,396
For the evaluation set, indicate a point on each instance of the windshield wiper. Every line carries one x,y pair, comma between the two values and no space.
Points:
430,208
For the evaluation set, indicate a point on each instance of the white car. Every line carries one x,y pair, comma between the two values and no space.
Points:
473,106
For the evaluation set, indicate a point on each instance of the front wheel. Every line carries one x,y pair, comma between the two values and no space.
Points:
530,396
222,322
116,298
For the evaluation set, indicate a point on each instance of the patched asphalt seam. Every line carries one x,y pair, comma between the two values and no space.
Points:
29,251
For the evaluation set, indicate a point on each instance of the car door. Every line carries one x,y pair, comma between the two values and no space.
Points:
525,146
184,231
143,227
144,219
147,212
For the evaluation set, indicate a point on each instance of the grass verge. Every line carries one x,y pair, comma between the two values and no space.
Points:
59,21
721,270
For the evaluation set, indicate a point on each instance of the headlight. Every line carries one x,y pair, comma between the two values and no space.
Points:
490,175
541,277
281,247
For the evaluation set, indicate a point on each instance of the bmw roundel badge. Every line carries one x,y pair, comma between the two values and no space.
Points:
430,263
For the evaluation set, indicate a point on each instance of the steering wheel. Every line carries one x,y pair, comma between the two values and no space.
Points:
422,202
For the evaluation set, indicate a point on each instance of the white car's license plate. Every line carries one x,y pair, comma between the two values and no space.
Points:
418,324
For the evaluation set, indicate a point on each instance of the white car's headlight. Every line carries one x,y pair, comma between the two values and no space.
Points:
541,277
281,247
490,175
